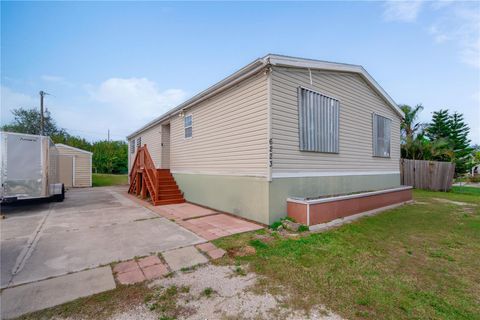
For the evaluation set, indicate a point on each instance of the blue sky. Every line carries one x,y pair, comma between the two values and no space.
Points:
117,65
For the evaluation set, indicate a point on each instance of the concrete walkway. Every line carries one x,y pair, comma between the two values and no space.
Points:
51,252
39,295
47,246
91,227
206,223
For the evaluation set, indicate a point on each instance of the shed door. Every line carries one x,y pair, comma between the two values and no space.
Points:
66,170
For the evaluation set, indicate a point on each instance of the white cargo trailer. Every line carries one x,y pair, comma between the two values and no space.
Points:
29,168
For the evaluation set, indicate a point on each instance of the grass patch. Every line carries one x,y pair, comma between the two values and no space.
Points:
240,271
465,190
413,262
207,292
104,180
164,302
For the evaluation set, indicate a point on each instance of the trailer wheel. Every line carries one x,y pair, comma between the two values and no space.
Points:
60,197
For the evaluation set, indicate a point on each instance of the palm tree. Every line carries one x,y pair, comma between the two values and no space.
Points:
408,126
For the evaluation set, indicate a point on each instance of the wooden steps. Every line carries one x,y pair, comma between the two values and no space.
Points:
158,184
168,190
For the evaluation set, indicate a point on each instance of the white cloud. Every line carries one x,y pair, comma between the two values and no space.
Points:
136,98
404,11
455,23
121,105
12,100
460,26
126,104
438,37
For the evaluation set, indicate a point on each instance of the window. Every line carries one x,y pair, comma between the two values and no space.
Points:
381,136
132,146
139,142
187,124
318,121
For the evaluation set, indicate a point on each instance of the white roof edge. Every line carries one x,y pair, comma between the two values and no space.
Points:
278,60
333,66
73,148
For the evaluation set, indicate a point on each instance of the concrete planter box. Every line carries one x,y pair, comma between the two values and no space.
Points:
318,211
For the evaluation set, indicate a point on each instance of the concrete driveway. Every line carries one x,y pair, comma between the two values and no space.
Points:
92,227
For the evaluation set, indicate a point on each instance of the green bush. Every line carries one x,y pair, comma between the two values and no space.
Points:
474,179
303,228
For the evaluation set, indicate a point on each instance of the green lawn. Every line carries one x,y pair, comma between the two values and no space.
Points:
419,261
103,180
466,190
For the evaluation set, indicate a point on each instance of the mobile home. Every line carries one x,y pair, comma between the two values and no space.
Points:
278,128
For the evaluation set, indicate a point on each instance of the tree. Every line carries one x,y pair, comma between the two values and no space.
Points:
72,141
411,146
454,131
421,148
28,121
409,127
440,126
460,143
108,156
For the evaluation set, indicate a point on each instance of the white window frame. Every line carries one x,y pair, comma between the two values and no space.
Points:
375,137
187,127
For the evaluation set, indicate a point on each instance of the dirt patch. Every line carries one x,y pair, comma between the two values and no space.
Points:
218,292
266,238
241,251
458,203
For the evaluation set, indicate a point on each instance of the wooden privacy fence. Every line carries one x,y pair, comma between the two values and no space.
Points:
423,174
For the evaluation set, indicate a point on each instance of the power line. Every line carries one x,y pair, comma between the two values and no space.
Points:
95,133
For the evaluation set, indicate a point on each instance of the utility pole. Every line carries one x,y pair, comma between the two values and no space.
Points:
108,136
42,119
42,94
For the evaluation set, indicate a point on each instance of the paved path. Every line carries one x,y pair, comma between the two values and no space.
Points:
206,223
51,252
91,227
48,293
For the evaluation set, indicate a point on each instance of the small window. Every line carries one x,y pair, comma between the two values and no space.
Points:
139,142
187,124
318,121
381,136
132,146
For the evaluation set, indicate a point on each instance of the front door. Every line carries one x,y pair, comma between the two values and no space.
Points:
166,146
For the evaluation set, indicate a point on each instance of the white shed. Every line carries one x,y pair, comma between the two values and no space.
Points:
75,166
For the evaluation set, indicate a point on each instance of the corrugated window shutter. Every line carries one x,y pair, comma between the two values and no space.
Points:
132,146
139,142
381,136
318,121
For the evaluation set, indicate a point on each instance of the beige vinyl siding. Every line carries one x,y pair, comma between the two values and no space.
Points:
152,137
357,103
82,164
230,133
83,171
